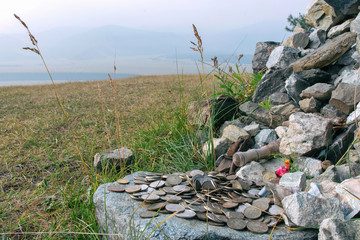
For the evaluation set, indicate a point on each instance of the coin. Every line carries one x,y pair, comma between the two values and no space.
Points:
257,227
150,197
169,190
173,180
174,207
148,214
132,188
262,203
186,214
230,204
196,172
276,210
236,223
156,206
181,188
198,208
139,182
159,192
144,187
116,188
157,184
214,208
235,215
123,181
252,213
171,198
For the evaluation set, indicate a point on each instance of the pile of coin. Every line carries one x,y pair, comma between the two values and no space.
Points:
216,198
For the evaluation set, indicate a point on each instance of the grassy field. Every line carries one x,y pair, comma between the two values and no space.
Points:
45,185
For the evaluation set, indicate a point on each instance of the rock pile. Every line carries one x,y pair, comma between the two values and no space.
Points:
312,81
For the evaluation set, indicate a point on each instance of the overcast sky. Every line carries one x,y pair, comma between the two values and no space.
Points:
161,15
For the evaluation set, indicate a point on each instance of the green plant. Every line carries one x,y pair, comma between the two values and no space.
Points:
266,104
298,21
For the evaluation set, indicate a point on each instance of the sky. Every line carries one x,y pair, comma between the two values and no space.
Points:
218,22
162,15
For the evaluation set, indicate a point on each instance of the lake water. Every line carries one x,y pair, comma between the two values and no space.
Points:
17,79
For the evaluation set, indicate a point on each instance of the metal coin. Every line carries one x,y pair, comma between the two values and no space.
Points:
201,216
153,174
148,214
174,207
116,188
169,190
236,223
257,227
171,198
159,193
152,178
216,223
276,210
139,178
157,184
217,218
186,214
196,172
199,208
252,213
156,206
181,188
262,203
139,194
230,204
235,215
150,197
173,180
214,208
132,188
123,181
140,182
144,187
150,189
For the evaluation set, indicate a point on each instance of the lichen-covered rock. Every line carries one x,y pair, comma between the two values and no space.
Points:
326,54
306,134
305,210
310,105
338,229
261,55
321,15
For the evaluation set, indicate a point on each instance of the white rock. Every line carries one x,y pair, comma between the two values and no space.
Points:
251,171
296,180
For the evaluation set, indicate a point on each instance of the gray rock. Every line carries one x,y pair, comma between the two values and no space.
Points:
346,7
221,145
310,105
261,55
314,76
339,29
255,111
310,166
281,57
296,181
329,111
281,131
251,172
343,97
326,54
239,122
355,25
350,58
298,40
117,158
279,98
348,76
233,133
264,137
330,175
338,229
345,171
279,192
273,164
252,129
317,38
306,134
355,115
119,219
321,15
282,112
320,91
294,85
304,209
272,81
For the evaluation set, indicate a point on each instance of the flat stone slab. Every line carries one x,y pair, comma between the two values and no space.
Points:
120,207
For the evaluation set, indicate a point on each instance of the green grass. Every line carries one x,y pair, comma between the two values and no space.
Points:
44,183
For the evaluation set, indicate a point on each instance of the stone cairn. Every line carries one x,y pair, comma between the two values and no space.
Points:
312,81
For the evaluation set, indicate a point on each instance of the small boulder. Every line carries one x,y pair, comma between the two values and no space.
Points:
339,29
281,57
310,166
331,228
233,133
297,40
320,91
252,129
310,105
350,58
281,131
329,111
261,55
314,76
305,210
295,181
343,97
251,172
220,145
117,158
307,133
279,98
294,85
264,137
317,38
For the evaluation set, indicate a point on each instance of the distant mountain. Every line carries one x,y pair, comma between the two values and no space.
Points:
137,51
